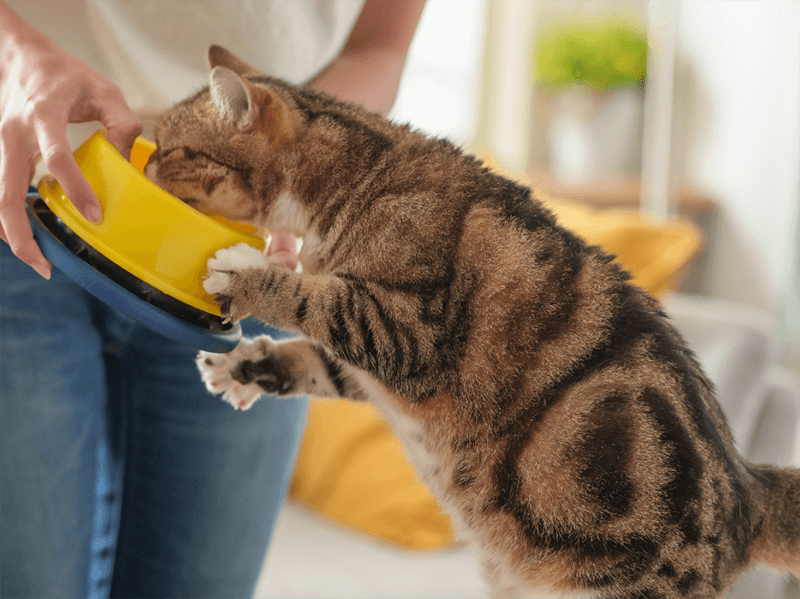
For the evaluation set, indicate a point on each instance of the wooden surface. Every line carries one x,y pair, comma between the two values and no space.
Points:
618,192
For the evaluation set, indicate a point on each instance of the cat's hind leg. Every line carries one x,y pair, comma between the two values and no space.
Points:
260,366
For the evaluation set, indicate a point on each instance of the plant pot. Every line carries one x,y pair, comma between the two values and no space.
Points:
593,136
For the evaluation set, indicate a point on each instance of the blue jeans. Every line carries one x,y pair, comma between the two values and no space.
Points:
119,473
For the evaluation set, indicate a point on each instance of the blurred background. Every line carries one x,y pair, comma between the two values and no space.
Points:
644,116
734,154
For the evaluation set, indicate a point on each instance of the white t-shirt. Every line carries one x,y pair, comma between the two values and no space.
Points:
155,50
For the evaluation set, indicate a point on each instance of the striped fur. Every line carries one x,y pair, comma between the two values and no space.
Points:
547,402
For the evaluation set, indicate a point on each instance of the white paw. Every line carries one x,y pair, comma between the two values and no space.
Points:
226,260
216,372
216,282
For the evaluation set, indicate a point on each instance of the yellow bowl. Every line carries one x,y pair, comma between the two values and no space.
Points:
145,230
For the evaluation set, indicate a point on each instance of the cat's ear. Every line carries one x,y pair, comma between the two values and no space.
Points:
217,56
234,98
252,107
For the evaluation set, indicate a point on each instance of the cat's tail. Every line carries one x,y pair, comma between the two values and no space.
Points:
777,533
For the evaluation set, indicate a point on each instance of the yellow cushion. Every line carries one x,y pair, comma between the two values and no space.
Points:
654,252
352,469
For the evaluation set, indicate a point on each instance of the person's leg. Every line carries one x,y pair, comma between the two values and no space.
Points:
202,482
52,394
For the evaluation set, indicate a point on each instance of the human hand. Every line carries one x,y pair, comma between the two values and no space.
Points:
42,88
283,247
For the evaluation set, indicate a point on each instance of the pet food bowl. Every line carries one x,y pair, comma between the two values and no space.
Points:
148,254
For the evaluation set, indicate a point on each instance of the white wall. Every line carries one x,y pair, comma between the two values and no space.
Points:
743,144
736,127
440,85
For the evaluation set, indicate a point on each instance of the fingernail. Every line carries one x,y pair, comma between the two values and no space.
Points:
42,269
94,214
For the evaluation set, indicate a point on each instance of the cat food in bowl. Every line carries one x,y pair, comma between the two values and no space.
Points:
146,231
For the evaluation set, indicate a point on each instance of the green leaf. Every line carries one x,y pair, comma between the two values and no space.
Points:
601,55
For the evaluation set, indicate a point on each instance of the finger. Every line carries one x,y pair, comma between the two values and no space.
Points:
123,134
15,229
122,124
58,157
24,246
283,247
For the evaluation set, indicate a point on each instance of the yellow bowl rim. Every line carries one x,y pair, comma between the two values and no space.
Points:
55,198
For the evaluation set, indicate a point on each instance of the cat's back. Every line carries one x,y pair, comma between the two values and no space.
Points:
581,436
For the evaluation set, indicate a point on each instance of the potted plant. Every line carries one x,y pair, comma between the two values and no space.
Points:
595,73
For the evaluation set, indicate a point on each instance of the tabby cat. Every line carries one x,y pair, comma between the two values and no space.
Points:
547,402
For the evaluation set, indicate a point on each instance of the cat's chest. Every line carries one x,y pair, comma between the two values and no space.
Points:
429,463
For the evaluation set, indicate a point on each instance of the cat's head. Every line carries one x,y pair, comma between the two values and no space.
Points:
224,150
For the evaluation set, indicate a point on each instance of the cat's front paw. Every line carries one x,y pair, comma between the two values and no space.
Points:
253,368
225,267
221,373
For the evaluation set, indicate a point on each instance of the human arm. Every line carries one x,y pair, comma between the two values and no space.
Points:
368,69
42,88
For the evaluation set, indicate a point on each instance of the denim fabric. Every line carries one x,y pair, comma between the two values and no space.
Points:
119,472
